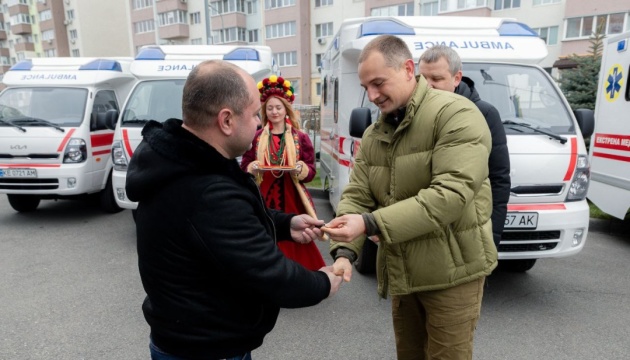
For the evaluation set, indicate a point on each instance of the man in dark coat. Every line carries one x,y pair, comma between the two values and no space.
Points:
442,67
214,276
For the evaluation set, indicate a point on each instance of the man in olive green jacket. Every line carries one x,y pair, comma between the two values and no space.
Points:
420,187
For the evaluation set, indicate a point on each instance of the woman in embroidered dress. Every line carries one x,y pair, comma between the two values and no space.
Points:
281,144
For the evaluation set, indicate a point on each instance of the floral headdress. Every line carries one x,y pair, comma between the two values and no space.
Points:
276,86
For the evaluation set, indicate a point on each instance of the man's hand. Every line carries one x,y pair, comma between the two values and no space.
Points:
305,229
335,281
343,267
345,228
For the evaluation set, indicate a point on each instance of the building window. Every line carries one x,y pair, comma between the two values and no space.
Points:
141,4
506,4
549,34
320,3
318,89
252,37
280,30
73,35
195,18
20,19
76,53
546,2
48,35
323,30
394,10
4,60
50,53
144,26
21,56
228,35
227,6
457,5
274,4
45,15
70,14
252,7
430,9
318,59
286,59
198,41
172,17
584,27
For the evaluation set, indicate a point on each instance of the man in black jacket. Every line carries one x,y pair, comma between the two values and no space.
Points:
442,67
207,254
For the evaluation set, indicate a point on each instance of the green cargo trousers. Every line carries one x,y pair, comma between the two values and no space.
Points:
437,324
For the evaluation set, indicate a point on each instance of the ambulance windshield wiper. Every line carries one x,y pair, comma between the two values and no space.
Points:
136,121
551,134
37,121
12,124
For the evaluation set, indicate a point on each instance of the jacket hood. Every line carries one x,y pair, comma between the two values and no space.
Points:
168,152
466,88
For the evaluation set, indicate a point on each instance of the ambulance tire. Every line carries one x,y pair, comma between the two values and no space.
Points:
23,203
107,200
515,266
366,262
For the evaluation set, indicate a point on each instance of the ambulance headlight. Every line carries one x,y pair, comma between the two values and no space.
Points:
118,157
76,151
581,179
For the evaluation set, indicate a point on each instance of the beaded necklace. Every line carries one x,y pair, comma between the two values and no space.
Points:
277,157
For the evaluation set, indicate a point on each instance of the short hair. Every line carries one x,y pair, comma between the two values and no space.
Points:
437,52
394,50
211,86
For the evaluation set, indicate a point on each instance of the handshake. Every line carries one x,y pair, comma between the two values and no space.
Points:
346,228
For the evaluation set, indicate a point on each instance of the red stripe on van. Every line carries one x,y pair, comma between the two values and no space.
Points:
127,142
530,207
573,160
101,152
65,140
102,139
611,156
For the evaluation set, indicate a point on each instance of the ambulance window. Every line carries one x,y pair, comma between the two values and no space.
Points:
336,99
324,87
628,86
103,101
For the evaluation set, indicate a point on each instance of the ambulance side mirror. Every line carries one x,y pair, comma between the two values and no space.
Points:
586,121
360,119
108,119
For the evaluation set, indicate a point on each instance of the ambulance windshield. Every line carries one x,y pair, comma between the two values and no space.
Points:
47,105
522,94
154,100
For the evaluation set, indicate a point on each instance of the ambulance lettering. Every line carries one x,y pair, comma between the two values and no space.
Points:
494,45
49,77
175,67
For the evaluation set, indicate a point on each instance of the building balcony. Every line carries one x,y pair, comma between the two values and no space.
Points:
18,9
174,31
170,5
2,17
3,35
5,52
21,29
24,46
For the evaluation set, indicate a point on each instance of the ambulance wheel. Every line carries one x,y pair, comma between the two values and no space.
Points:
521,265
23,203
366,262
107,200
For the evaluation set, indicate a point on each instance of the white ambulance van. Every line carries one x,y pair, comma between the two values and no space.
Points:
548,215
610,144
162,72
53,140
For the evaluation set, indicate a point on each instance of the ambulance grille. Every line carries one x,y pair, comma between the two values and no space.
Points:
29,184
536,241
29,156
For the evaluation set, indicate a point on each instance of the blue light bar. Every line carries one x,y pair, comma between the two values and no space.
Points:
24,65
102,64
511,28
242,54
622,45
151,53
384,27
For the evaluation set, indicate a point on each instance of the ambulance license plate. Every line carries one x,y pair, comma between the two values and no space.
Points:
18,173
521,220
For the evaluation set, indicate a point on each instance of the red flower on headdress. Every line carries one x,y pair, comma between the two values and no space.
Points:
276,86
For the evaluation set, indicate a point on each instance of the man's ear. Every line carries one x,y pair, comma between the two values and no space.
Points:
457,78
410,68
225,121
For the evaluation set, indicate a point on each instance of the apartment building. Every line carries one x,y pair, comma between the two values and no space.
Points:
47,28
